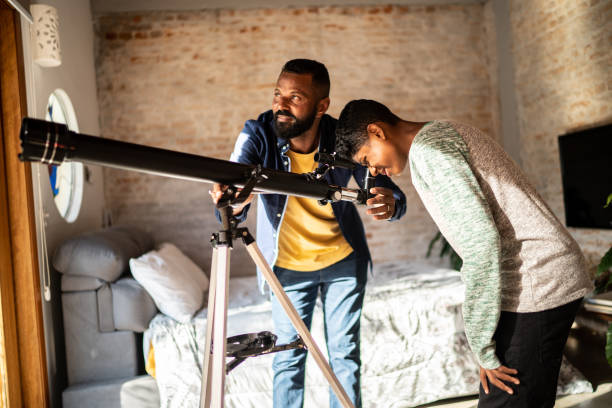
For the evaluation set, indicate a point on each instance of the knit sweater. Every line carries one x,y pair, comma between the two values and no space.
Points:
516,254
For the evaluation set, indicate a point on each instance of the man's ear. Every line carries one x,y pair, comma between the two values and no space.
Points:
375,130
322,106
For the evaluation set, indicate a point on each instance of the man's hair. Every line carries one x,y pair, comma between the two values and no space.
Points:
352,126
320,76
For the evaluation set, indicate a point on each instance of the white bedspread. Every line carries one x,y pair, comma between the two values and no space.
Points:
413,347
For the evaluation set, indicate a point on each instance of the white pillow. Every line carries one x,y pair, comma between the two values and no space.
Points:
176,284
181,262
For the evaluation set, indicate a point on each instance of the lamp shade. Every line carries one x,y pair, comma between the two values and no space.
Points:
45,35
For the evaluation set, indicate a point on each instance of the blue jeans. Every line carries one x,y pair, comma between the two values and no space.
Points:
342,288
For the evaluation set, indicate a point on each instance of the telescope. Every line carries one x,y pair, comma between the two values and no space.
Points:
53,143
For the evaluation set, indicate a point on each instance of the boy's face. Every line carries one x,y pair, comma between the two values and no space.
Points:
380,154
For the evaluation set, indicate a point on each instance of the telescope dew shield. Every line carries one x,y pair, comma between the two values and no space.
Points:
52,143
43,141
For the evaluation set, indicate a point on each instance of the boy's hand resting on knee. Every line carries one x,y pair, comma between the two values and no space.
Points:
496,377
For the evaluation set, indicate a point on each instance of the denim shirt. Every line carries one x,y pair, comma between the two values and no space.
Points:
259,144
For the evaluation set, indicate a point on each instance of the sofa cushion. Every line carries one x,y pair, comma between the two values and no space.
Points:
103,254
74,283
124,392
124,305
91,355
104,299
133,307
100,394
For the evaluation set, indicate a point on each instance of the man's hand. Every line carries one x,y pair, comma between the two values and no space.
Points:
384,202
217,192
496,376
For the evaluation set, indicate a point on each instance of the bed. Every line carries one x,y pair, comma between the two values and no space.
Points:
414,349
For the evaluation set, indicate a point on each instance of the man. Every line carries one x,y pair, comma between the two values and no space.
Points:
524,274
311,247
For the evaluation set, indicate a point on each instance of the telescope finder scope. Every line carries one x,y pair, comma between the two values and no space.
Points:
333,160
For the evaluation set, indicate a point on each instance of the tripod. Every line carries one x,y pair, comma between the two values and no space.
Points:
215,352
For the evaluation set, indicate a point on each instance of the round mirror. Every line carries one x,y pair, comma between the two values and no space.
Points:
66,179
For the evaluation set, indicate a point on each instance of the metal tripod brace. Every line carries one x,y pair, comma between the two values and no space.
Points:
214,368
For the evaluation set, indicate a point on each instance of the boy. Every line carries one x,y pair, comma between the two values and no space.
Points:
524,274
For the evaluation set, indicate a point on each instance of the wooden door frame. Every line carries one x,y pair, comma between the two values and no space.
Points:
21,322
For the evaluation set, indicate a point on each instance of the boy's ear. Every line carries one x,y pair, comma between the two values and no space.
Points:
375,130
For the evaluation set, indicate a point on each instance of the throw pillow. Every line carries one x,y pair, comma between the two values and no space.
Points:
176,284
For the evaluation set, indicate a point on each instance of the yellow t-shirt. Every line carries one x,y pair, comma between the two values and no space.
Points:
309,236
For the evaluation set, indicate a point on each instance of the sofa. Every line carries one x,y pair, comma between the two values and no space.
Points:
105,312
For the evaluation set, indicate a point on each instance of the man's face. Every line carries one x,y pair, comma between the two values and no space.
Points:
294,104
381,157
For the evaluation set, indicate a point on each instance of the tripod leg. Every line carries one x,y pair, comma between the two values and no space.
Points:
220,327
216,331
298,323
207,366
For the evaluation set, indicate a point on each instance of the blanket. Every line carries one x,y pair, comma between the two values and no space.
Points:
413,347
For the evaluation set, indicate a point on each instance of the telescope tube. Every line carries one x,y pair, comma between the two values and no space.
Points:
52,143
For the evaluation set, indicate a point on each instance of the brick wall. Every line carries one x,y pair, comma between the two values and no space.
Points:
563,77
188,81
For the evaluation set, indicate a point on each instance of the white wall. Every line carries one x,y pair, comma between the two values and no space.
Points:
76,76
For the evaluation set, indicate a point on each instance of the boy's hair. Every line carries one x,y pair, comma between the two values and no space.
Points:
352,127
320,76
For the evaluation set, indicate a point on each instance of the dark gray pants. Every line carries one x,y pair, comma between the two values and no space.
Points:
532,343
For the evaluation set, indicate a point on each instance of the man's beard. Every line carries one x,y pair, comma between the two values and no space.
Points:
290,130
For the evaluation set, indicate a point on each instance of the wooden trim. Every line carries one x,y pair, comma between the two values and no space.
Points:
10,391
22,321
